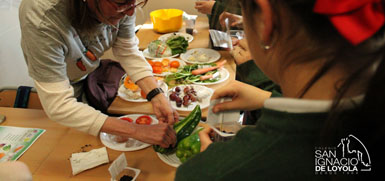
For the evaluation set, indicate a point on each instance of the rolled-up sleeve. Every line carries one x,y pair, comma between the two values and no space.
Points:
60,105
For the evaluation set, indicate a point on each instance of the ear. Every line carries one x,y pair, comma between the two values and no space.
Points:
267,19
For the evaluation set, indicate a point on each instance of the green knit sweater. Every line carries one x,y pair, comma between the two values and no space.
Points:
280,147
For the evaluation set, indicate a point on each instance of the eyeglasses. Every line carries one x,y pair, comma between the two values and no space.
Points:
124,5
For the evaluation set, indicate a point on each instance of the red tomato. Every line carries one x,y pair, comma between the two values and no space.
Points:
144,95
150,62
144,120
157,70
174,64
158,64
127,119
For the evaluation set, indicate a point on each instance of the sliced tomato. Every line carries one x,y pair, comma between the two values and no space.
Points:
127,119
174,64
144,120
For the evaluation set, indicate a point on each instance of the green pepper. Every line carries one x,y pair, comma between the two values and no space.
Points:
188,147
183,129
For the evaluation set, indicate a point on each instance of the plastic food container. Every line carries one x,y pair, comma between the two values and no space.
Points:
229,129
128,173
166,20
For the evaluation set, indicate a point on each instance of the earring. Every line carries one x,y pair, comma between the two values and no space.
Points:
265,47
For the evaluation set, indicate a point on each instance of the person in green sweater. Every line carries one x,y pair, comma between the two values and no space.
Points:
246,70
328,58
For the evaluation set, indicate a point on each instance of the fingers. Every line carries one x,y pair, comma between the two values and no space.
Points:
234,23
205,138
169,137
226,106
159,116
176,116
226,91
243,44
170,117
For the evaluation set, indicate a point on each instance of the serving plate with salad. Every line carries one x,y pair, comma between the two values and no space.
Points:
166,66
147,54
128,144
202,74
171,48
168,36
200,56
131,92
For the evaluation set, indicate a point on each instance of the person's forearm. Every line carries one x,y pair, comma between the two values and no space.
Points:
117,127
147,84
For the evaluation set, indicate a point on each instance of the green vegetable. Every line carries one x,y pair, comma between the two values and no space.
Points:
183,129
178,44
184,76
188,147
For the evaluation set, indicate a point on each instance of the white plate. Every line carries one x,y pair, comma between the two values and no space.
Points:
171,159
147,55
123,95
198,88
181,62
187,36
108,139
211,55
225,74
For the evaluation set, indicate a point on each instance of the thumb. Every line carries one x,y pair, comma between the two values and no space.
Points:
226,106
223,92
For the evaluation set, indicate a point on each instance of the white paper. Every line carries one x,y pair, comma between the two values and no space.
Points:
221,117
118,166
220,38
87,160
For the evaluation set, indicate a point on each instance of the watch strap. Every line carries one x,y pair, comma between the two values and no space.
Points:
153,93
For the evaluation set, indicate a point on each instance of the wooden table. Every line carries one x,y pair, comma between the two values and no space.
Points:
201,40
201,37
48,157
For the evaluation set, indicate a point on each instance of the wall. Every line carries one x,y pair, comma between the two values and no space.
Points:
13,70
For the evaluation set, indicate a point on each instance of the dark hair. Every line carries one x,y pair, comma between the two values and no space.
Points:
81,17
364,63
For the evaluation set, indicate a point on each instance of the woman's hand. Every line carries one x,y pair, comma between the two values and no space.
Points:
241,52
204,136
163,110
158,134
161,134
244,97
161,106
234,20
204,7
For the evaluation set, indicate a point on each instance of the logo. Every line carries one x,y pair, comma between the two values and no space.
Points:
349,157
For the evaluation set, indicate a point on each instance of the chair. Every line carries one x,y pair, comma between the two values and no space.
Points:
22,97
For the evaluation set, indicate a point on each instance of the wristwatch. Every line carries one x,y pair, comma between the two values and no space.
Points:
153,93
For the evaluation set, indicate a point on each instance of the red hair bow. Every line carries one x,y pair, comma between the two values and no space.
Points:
356,20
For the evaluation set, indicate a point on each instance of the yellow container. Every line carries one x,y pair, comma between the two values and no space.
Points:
166,20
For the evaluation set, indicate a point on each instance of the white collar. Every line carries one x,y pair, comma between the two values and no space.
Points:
293,105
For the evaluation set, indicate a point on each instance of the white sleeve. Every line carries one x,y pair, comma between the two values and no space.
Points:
132,60
60,105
